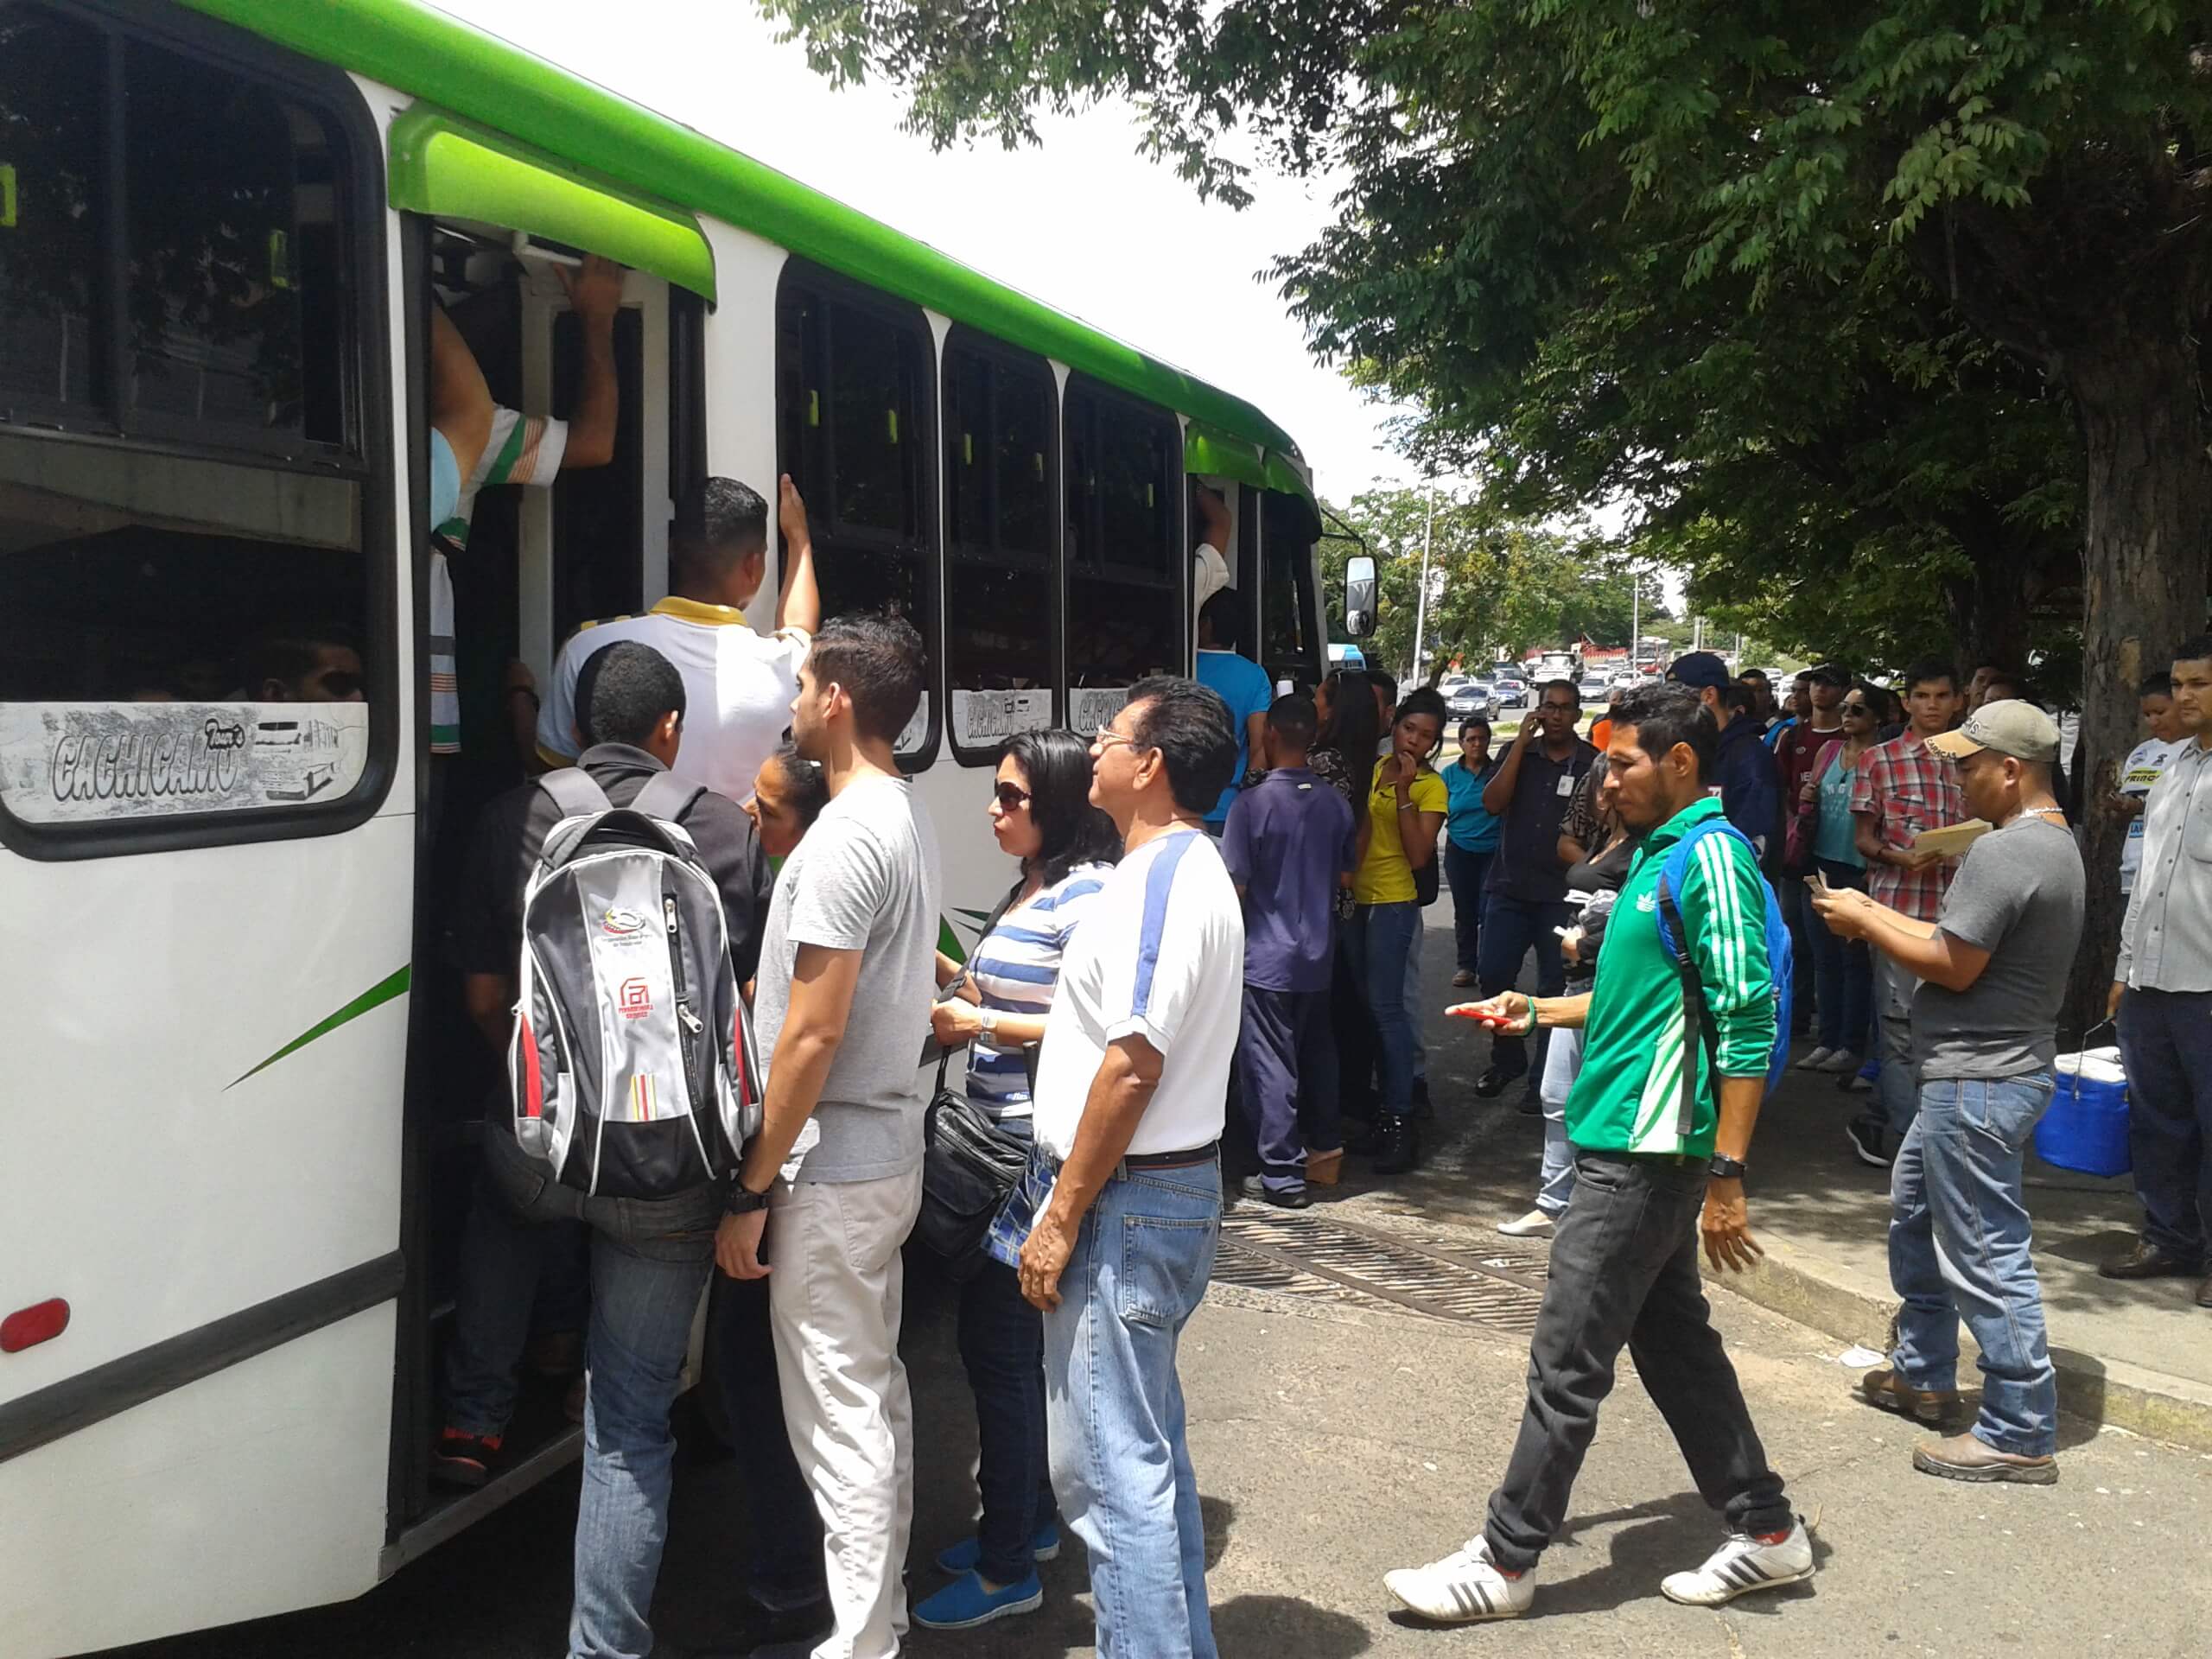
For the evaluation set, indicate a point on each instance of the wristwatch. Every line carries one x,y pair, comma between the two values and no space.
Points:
1726,1168
988,1018
743,1200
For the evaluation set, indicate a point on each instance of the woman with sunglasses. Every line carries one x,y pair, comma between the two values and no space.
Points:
1041,814
1843,972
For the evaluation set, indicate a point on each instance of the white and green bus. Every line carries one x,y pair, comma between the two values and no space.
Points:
238,1119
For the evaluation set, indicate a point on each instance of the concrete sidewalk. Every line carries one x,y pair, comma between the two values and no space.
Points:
2136,1356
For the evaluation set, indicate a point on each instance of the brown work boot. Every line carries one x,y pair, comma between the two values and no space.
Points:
2148,1261
1887,1391
1963,1457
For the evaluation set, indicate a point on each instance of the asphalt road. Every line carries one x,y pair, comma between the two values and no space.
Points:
1334,1441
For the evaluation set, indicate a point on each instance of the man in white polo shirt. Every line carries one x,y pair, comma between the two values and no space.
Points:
740,683
1128,1110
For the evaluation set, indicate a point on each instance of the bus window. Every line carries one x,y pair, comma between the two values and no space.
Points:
1289,648
999,479
154,604
854,413
1124,604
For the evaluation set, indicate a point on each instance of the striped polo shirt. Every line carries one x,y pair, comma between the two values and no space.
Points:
1015,967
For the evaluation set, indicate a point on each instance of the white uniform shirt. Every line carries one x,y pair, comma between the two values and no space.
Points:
738,686
1161,954
2142,770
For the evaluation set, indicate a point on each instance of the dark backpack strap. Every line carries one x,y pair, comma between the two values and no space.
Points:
574,795
667,797
1695,1015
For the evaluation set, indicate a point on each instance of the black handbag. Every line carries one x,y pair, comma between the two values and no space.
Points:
968,1163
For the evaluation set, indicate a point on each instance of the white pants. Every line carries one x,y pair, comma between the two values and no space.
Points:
834,1289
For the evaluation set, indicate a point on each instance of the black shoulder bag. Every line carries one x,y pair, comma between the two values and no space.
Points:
968,1163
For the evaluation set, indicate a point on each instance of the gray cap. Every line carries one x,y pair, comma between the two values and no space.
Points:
2005,727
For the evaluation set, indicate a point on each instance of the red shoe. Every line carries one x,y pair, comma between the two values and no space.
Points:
461,1459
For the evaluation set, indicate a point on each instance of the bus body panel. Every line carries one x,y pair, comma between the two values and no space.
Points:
234,1498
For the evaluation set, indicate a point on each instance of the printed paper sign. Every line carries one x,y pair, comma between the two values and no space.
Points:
982,718
1091,707
918,729
100,762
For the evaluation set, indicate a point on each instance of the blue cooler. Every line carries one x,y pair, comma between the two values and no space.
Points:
2086,1128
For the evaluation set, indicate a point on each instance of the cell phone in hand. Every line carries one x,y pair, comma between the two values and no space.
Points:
1817,882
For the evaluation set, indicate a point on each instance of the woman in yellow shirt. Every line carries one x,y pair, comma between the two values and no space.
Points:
1404,814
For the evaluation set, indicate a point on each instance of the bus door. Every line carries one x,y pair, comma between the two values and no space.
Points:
206,830
496,222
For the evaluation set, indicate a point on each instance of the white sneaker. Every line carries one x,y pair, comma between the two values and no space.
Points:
1817,1061
1463,1587
1842,1060
1534,1224
1743,1565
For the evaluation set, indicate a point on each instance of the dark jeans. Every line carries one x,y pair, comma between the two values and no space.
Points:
1380,937
1003,1347
511,1269
784,1567
1805,930
1512,928
1624,1270
1844,969
1286,1081
2165,1038
1354,1028
1467,874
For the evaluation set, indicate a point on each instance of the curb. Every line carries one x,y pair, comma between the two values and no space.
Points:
2109,1392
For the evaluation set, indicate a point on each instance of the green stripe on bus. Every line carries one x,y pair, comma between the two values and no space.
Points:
425,52
391,985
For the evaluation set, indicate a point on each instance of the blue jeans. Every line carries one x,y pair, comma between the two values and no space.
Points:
1378,940
783,1564
1796,903
1896,1096
2165,1037
1562,1064
1512,928
1467,874
1961,1247
1120,1461
1002,1349
1843,970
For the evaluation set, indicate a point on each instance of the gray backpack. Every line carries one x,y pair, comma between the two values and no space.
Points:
632,1065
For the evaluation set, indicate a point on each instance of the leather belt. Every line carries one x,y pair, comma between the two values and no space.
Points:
1183,1160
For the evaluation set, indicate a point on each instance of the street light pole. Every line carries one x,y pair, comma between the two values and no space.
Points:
1420,605
1635,622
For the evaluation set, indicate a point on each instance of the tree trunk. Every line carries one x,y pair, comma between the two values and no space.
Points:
2148,531
1990,608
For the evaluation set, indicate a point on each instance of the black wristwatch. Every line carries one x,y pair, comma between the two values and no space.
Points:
1726,1168
743,1200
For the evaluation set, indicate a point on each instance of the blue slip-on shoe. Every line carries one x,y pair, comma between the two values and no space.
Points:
968,1555
964,1603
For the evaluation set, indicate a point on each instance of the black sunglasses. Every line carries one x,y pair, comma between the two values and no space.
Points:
1857,708
1011,798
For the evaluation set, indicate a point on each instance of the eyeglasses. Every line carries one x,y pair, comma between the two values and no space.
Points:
1857,708
1011,798
1107,737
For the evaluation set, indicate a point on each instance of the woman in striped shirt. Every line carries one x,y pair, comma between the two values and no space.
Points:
1040,811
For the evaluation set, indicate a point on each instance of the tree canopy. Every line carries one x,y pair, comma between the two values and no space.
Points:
1885,313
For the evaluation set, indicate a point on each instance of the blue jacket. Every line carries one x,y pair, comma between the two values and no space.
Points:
1750,794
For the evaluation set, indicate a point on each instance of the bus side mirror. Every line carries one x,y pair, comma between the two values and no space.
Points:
1359,597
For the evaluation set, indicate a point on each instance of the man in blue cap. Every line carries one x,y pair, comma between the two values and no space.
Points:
1749,794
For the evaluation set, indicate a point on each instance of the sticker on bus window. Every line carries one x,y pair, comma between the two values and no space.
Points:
917,732
1091,707
104,762
982,718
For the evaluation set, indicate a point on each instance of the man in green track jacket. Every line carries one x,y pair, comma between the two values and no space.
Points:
1623,1264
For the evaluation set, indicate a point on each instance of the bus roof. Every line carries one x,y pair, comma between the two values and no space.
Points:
436,57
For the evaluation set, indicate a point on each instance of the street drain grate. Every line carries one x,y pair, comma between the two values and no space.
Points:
1302,1254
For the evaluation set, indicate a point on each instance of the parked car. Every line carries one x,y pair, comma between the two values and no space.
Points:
1594,688
1512,693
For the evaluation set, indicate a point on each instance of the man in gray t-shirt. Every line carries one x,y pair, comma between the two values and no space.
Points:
1993,967
841,1011
865,878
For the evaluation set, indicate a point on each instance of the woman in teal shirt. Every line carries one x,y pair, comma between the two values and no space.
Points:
1470,839
1843,971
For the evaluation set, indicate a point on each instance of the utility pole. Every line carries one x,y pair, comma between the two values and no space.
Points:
1635,622
1420,605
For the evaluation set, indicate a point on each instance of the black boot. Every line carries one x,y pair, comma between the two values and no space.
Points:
1401,1145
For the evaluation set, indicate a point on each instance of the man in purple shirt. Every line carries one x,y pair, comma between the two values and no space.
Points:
1288,843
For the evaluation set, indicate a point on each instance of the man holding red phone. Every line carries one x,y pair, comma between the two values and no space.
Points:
1623,1267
